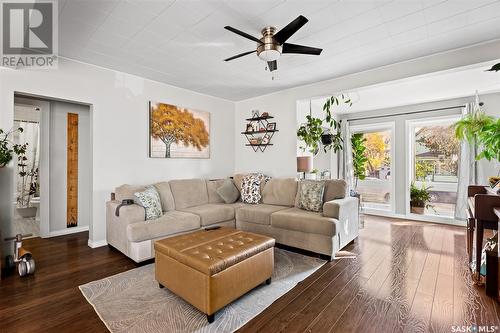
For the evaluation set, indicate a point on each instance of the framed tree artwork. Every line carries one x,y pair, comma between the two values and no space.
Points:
177,132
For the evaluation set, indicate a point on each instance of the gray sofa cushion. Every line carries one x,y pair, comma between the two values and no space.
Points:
168,224
237,179
335,189
166,197
257,213
280,191
212,186
189,192
212,213
127,192
228,192
304,221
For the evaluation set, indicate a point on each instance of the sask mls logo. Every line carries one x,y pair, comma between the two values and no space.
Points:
29,34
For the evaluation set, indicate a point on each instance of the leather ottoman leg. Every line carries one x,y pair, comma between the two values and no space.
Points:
211,318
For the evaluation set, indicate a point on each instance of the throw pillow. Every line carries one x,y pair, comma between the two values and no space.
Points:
150,200
228,192
311,195
250,187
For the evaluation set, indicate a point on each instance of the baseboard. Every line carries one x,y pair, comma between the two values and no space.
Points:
95,244
67,231
416,217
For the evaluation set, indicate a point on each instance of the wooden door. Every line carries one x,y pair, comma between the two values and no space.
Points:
72,170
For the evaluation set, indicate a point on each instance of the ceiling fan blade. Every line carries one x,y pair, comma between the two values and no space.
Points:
239,55
243,34
300,49
292,27
272,65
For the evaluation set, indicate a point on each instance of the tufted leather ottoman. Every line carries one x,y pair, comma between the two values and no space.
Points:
211,268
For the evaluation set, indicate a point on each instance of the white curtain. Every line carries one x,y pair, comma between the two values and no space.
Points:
345,167
467,173
30,135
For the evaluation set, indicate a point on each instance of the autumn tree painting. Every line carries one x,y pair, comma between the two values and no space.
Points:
184,129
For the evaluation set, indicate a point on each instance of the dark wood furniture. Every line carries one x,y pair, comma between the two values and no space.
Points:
492,265
481,203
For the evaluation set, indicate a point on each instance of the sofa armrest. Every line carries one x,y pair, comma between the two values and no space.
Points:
128,214
336,208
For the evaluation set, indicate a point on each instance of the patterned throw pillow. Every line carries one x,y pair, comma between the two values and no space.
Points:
311,195
250,187
150,200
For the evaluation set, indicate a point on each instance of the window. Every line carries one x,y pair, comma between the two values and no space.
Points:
376,189
434,164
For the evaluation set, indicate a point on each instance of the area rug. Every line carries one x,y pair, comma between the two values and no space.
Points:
132,301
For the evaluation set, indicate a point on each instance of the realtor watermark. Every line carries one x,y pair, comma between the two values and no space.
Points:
474,328
29,34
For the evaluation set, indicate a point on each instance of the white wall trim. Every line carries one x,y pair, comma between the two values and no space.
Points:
416,217
96,244
67,231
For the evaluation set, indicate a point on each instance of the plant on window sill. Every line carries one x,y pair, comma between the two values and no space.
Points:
420,198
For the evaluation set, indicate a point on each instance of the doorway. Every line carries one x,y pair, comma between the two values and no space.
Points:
377,186
433,165
53,179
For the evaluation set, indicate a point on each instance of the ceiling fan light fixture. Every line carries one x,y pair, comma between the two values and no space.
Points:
269,55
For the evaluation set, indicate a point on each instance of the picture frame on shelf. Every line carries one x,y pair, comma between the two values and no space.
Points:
249,127
255,113
265,139
271,126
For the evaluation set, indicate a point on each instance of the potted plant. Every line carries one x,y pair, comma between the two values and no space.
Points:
332,137
483,130
8,148
419,198
310,134
359,158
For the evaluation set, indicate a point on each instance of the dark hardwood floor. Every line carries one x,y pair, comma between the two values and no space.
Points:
406,277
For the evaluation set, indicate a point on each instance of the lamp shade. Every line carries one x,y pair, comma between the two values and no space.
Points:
304,163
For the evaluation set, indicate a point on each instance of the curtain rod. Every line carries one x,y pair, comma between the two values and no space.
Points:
413,112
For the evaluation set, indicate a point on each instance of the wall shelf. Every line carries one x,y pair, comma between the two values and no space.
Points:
255,138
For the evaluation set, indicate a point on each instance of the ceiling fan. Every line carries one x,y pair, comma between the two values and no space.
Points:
272,44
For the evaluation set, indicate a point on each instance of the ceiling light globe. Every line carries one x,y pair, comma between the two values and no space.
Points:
269,55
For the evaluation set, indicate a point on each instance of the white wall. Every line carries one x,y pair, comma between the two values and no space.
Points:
119,126
431,78
58,165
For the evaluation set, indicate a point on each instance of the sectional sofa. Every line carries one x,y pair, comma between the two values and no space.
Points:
192,204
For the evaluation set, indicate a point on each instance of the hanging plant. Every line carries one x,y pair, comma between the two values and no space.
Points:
334,136
483,130
8,148
313,132
310,134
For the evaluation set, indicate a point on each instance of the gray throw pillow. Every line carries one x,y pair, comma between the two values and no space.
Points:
311,195
228,192
150,200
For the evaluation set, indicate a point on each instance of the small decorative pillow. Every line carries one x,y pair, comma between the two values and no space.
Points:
311,195
150,200
228,192
250,187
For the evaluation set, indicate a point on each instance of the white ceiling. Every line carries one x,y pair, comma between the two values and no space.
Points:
183,42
